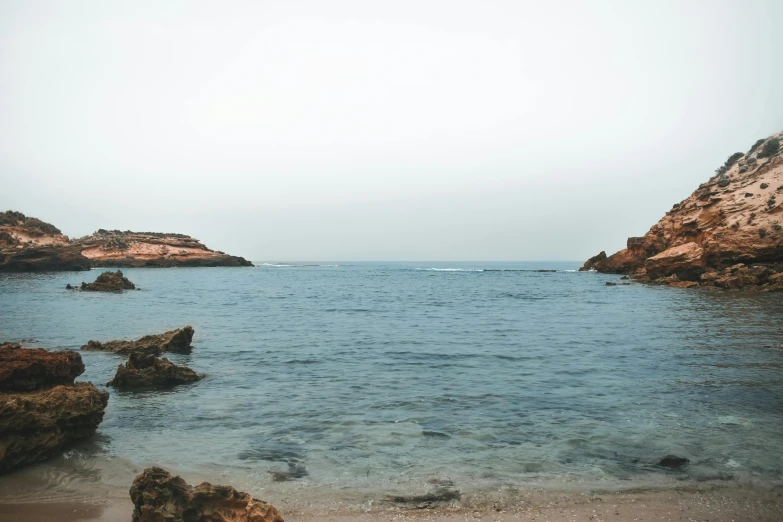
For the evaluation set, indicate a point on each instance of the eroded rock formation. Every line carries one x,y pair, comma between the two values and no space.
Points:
159,497
28,244
735,218
114,248
177,341
149,371
109,282
42,411
29,369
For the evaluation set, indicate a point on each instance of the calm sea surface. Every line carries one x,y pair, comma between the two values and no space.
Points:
388,378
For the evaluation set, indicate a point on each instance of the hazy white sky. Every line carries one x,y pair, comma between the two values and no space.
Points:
313,130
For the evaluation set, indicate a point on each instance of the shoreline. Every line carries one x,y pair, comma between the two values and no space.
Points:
715,504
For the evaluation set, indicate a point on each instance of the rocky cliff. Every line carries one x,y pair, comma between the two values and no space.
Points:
114,248
728,233
29,244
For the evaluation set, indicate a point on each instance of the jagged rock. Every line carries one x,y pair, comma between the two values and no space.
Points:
148,371
109,282
29,369
159,497
177,341
594,261
41,410
732,218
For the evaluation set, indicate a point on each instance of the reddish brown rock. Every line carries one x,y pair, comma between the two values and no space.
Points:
28,244
28,369
177,341
41,410
115,248
685,261
736,217
37,425
159,497
148,371
109,282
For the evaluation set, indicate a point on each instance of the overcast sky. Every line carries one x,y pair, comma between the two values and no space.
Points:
440,130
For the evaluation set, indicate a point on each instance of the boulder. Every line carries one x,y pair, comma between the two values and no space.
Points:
177,341
29,369
109,282
159,497
685,261
148,371
41,410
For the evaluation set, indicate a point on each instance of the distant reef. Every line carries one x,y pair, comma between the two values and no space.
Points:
727,234
28,244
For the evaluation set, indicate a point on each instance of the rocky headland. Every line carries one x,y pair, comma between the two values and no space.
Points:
42,410
28,244
149,371
158,496
177,341
114,248
727,234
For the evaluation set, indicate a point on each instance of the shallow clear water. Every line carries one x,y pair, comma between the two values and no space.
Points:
382,377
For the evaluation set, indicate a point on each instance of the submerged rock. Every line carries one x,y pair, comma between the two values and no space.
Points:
41,410
673,462
149,371
177,341
159,497
109,282
295,471
428,500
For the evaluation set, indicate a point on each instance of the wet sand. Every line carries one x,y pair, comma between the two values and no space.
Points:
717,505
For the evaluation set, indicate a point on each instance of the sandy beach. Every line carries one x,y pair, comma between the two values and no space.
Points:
716,505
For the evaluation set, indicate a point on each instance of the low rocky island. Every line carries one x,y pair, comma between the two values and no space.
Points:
143,371
109,282
28,244
727,234
159,496
177,341
42,410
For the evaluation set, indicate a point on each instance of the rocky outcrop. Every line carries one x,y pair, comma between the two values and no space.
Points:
28,244
109,282
41,410
177,341
736,217
159,497
114,248
29,369
149,371
42,259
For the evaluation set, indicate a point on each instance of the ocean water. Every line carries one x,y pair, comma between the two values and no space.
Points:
369,379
